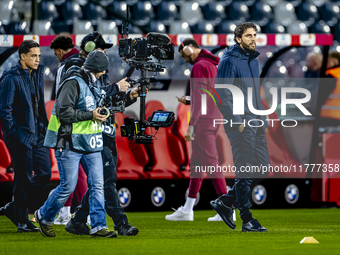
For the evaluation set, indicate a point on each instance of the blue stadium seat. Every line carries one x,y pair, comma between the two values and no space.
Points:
203,27
330,13
2,29
82,27
191,12
117,10
214,12
42,27
308,13
62,26
284,13
274,28
320,28
238,11
166,12
47,11
94,13
18,28
226,27
107,27
156,26
297,27
179,27
142,13
69,10
5,12
261,13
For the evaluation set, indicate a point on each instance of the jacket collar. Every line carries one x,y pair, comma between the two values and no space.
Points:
27,71
237,51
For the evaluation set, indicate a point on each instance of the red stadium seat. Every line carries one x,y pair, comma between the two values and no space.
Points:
166,153
49,107
5,158
130,163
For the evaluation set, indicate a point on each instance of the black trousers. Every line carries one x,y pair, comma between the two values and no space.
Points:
28,185
249,149
112,206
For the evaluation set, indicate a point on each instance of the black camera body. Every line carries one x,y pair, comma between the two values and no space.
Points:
132,129
154,44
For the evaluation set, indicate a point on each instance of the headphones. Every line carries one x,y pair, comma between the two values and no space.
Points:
91,45
187,50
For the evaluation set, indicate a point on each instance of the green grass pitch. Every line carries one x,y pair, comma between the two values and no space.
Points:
286,228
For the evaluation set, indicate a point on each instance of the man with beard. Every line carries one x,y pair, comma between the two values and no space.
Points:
239,67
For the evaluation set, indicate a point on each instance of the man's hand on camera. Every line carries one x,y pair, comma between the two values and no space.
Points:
98,116
135,92
189,135
123,85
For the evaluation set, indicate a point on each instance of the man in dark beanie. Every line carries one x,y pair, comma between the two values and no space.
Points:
75,132
23,120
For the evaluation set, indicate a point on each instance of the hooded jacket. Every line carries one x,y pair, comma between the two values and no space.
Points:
16,105
240,68
202,81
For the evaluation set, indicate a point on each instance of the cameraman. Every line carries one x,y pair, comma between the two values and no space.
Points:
77,225
75,132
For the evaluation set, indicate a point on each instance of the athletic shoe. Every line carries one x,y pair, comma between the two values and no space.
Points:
27,227
63,218
180,215
45,230
224,211
88,223
125,229
217,217
8,211
253,226
77,228
104,233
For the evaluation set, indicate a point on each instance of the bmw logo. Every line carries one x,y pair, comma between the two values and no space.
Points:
259,194
124,196
198,196
292,194
158,196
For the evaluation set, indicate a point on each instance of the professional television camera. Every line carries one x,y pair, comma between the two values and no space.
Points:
139,54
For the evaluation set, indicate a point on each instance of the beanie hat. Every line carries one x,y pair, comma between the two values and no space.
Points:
96,62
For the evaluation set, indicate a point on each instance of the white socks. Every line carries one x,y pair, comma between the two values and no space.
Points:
65,211
189,204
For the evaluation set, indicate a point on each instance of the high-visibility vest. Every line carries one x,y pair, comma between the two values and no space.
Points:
331,108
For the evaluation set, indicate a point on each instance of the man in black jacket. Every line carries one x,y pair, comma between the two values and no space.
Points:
77,225
24,122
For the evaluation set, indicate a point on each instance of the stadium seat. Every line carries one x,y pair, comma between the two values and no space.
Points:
330,13
18,28
214,12
82,27
5,11
238,12
274,28
156,26
42,27
190,12
47,11
166,153
93,13
203,27
117,10
320,28
308,13
180,128
107,27
284,13
62,26
166,12
142,13
49,107
2,29
226,27
261,13
69,10
297,28
130,163
337,32
5,159
179,27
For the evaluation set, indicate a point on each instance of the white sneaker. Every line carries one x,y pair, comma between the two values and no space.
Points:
217,217
180,215
88,220
63,218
